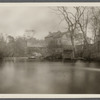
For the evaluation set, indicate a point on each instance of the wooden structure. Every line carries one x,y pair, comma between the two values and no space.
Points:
67,54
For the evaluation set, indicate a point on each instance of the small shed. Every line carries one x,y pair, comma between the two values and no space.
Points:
67,52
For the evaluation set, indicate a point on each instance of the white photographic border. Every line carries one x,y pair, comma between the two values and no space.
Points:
42,4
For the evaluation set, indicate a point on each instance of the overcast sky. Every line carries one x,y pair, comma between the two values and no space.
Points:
14,20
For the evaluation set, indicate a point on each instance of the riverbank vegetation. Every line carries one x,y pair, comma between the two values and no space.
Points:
83,26
82,30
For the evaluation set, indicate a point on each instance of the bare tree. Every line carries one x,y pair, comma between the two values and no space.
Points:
72,19
95,21
83,21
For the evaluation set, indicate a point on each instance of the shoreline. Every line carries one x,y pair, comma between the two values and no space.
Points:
52,60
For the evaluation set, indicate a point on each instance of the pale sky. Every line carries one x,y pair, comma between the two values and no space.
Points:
14,20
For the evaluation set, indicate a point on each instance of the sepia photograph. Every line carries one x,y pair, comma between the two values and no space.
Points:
49,49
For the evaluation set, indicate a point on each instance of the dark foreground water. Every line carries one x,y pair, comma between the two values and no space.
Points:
49,77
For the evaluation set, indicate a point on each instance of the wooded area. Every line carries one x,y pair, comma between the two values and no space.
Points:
82,24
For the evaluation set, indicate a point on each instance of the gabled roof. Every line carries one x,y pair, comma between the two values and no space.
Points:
56,34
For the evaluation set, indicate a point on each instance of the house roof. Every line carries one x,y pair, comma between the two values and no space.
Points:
56,34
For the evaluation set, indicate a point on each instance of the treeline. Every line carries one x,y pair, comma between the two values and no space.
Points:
15,46
11,46
82,23
81,20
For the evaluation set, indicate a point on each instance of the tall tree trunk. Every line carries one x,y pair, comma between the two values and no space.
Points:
73,44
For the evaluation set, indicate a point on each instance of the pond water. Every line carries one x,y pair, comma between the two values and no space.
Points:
49,77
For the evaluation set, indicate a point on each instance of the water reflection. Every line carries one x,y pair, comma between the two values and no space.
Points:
49,77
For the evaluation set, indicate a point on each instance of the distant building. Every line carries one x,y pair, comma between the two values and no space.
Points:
29,33
59,43
33,42
36,46
60,39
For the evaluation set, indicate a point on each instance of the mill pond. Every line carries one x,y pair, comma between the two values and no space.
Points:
45,77
36,41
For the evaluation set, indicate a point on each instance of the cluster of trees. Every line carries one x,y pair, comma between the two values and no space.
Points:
12,47
79,22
